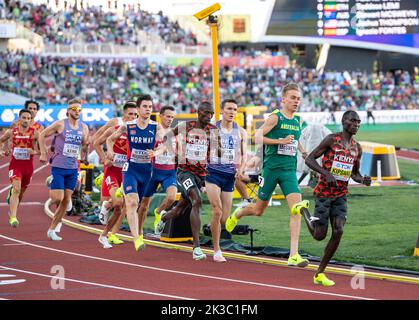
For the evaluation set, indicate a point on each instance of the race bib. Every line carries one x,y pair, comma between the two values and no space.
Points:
228,156
119,160
341,171
21,153
288,149
125,167
71,150
165,158
140,156
197,152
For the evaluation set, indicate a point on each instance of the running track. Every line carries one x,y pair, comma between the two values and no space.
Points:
91,272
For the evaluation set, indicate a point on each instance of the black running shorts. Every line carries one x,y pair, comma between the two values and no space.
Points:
327,208
186,181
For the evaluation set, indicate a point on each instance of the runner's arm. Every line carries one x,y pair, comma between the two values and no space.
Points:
85,144
111,123
54,128
3,139
110,141
36,150
243,150
316,153
270,123
100,140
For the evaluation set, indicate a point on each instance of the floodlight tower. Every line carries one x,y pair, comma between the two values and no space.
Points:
212,21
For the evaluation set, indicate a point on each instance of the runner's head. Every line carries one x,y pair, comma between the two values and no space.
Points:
144,106
205,112
167,115
25,118
32,106
229,109
291,97
351,122
74,109
130,111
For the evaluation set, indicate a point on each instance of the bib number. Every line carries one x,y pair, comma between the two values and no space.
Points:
165,158
119,160
21,153
71,150
341,171
196,152
140,156
126,166
288,149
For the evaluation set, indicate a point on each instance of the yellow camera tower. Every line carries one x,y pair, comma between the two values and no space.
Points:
213,23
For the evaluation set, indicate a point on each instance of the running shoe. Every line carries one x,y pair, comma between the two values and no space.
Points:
297,260
232,220
58,227
119,193
197,254
104,213
156,218
160,224
13,222
296,208
53,236
113,239
218,257
323,280
104,241
69,206
139,243
98,180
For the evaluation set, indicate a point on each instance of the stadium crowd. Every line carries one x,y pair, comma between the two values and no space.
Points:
94,24
51,80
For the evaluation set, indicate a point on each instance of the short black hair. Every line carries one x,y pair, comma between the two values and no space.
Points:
22,111
227,101
204,104
28,102
130,104
143,97
348,113
164,108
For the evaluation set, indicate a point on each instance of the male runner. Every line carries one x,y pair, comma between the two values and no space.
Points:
112,178
280,133
222,172
137,170
341,161
23,139
71,136
33,107
164,172
195,141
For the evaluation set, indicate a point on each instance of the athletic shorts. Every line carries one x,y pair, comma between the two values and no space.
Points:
187,181
112,178
135,178
21,172
224,181
287,180
166,178
328,208
63,178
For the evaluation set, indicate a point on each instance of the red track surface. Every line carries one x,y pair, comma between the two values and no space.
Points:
155,273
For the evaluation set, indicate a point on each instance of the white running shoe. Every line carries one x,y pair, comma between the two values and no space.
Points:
58,227
218,257
104,213
197,254
53,236
243,203
104,241
160,224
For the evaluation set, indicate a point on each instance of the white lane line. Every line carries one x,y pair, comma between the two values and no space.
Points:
99,284
36,171
408,159
188,273
35,203
13,244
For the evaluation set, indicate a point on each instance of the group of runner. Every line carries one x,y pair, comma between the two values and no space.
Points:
193,157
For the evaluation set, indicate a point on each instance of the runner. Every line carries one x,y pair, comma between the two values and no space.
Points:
23,138
341,161
280,133
33,107
164,172
137,170
219,182
112,178
71,136
196,138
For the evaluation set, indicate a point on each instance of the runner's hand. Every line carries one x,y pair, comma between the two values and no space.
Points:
366,180
288,139
331,180
43,158
2,153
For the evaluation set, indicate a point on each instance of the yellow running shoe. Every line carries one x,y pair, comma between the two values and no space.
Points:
119,193
156,218
323,280
13,222
98,180
296,208
297,260
232,220
139,243
113,239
